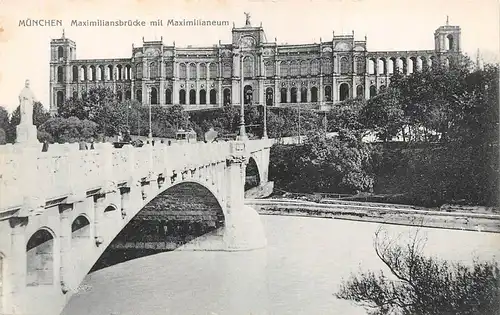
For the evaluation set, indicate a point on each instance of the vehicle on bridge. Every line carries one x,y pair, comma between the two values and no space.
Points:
183,136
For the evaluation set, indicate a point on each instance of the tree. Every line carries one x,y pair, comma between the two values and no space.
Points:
40,116
423,285
3,136
383,115
341,164
68,130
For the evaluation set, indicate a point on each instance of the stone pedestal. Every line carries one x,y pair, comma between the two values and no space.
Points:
27,134
243,229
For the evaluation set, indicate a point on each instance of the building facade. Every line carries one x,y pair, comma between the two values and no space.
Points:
250,68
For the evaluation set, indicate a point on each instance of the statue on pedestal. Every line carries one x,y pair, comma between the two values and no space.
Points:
26,131
26,101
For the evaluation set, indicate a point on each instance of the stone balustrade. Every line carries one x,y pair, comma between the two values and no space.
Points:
65,170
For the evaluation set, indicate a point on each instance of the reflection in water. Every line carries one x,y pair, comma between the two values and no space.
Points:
303,265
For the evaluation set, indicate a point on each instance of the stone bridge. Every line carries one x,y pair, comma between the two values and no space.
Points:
61,209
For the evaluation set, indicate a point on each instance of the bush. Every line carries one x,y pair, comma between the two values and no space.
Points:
423,285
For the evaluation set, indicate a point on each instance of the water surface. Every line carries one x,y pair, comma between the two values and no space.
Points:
298,272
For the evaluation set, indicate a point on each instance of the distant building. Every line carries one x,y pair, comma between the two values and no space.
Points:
312,75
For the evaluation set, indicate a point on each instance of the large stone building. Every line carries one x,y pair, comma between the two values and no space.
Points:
311,75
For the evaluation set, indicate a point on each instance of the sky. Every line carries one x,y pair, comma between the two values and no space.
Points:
388,25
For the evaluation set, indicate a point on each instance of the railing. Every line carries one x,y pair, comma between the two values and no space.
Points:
66,170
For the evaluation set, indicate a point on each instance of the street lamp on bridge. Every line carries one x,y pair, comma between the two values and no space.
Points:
150,134
243,134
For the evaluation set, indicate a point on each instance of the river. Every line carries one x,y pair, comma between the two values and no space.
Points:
297,273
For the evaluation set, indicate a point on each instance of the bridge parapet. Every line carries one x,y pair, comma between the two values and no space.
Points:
31,178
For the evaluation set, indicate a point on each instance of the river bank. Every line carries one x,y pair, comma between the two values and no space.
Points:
379,213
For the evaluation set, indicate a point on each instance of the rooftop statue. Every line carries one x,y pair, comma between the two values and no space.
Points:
247,22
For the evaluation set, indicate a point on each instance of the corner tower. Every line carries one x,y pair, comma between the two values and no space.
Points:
62,51
447,38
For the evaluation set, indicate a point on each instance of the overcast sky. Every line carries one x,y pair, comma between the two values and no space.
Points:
388,24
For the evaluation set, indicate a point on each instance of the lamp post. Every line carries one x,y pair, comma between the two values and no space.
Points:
264,133
150,134
243,134
299,124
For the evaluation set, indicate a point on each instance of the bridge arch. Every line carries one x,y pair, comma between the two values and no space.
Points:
175,216
80,228
252,174
40,250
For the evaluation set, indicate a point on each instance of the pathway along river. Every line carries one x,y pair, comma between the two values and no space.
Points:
298,272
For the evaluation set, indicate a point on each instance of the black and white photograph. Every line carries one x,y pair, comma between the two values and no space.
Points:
249,157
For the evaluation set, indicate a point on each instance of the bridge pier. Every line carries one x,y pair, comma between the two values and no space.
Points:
243,229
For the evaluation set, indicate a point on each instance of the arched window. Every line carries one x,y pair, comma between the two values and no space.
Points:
169,69
391,65
109,72
128,95
360,91
269,66
303,95
128,72
226,70
119,96
60,52
283,69
373,91
314,94
119,74
269,96
420,63
326,64
248,68
154,96
315,67
213,70
382,89
203,71
192,97
328,93
248,93
182,97
83,73
138,70
371,66
293,95
40,259
192,71
304,68
203,97
294,68
153,70
450,42
344,91
75,95
213,97
59,98
168,96
138,95
60,74
182,71
360,65
227,96
283,95
411,64
345,67
75,74
101,73
381,66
